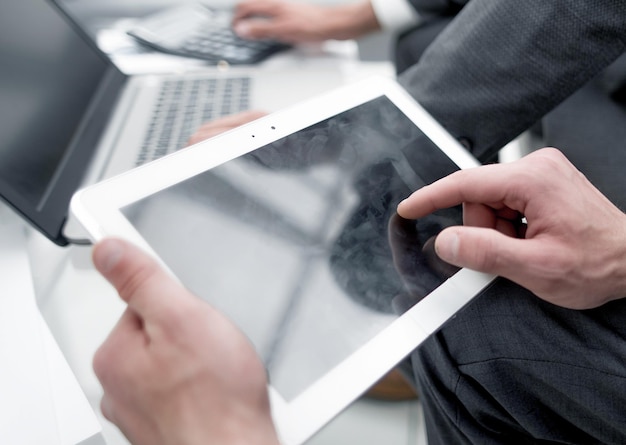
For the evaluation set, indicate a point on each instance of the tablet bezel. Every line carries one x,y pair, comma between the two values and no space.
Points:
98,210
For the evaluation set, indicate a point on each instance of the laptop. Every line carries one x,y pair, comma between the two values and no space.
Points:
69,117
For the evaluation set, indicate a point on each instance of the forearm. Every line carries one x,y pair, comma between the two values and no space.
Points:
608,268
501,65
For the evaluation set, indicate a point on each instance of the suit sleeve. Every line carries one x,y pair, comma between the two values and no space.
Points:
501,65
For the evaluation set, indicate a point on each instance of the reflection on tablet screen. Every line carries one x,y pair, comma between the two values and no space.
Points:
298,242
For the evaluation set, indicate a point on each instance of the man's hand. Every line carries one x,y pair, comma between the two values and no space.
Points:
570,248
217,126
297,22
175,371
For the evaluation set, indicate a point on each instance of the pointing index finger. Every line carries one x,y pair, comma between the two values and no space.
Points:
487,184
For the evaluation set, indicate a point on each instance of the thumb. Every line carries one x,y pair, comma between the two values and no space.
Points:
482,249
139,280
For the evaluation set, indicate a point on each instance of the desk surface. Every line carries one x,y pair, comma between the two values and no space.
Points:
41,400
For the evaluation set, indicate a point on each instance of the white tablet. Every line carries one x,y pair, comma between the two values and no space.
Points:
288,226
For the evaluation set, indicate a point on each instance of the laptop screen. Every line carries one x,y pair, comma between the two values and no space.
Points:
53,85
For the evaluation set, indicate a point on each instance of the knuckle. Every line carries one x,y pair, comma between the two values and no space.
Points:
132,283
183,319
486,256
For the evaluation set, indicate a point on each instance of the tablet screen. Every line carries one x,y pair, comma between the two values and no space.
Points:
298,241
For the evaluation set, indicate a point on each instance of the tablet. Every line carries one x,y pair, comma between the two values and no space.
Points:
288,226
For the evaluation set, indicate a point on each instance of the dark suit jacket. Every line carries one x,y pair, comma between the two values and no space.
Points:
497,68
501,65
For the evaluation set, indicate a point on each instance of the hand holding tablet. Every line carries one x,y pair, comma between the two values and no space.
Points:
174,370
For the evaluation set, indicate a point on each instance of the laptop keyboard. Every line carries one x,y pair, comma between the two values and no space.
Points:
184,105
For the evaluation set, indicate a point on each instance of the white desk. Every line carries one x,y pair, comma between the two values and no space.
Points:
40,399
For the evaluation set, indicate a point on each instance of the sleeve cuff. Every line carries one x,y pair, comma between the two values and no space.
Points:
394,14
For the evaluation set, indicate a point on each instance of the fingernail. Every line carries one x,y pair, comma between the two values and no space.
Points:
400,205
241,29
107,254
447,245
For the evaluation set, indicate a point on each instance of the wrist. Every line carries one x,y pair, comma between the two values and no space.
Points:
618,269
244,431
351,21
